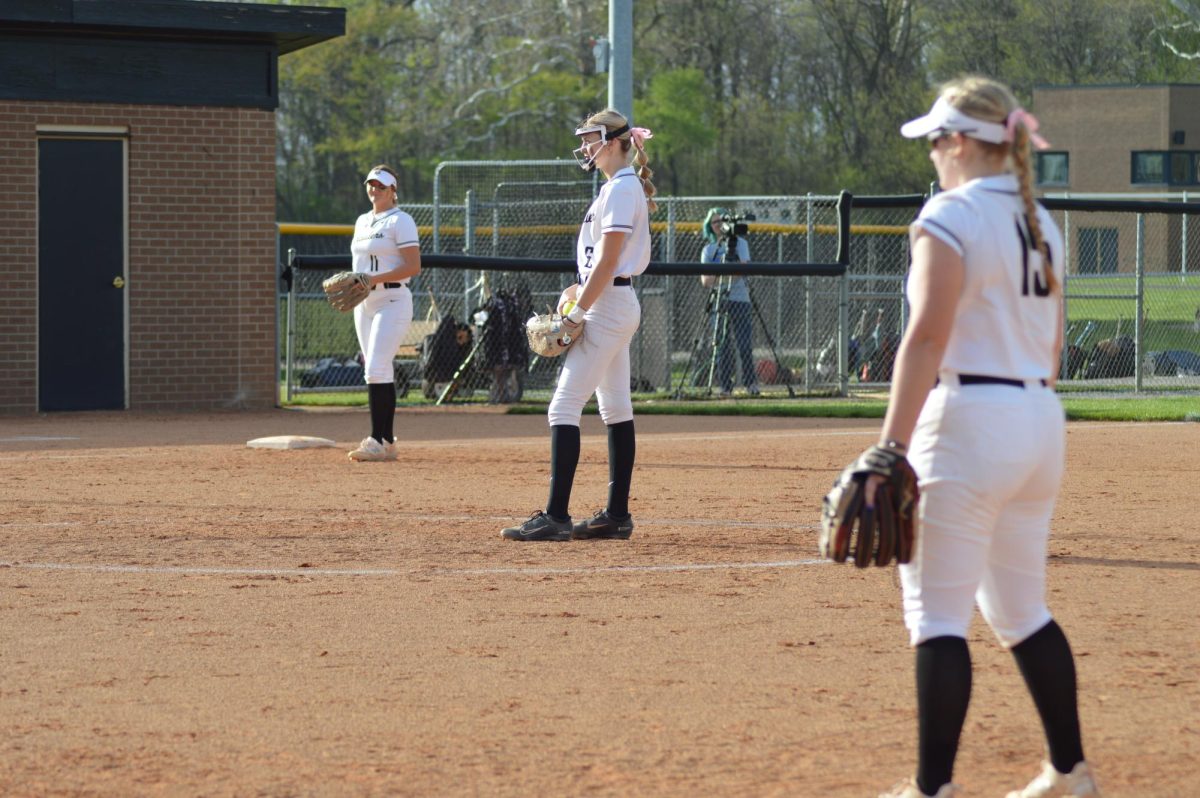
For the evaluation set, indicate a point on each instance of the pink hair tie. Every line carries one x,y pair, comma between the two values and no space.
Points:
639,135
1020,115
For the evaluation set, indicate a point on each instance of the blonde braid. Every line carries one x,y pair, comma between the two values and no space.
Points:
1024,170
984,98
644,174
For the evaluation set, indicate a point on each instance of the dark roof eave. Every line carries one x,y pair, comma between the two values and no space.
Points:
290,28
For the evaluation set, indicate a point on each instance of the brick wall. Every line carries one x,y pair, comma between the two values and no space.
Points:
1100,126
201,273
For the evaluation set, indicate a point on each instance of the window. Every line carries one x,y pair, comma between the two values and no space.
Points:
1149,167
1053,169
1172,167
1098,250
1183,168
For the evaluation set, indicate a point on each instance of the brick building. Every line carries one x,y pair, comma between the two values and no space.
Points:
137,152
1134,139
1125,140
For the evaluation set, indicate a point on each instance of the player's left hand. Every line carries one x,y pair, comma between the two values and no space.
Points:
878,529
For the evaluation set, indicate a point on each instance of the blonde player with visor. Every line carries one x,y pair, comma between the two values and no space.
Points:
385,247
613,248
973,406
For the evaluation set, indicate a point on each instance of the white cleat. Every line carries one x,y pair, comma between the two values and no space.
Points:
1052,784
371,449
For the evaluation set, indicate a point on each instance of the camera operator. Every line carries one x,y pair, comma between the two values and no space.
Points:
719,230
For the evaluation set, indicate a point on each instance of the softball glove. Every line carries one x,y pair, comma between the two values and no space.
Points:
876,534
550,334
344,290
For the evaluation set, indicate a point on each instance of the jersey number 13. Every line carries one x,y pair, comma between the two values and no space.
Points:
1039,288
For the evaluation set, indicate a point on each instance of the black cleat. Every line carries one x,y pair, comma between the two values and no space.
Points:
539,527
603,526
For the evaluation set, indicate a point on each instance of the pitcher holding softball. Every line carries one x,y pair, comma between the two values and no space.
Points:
613,247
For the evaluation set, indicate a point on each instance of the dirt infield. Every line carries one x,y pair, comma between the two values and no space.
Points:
182,615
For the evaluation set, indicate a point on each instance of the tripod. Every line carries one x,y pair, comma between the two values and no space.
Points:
712,337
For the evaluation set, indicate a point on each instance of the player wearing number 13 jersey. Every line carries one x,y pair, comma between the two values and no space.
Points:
974,406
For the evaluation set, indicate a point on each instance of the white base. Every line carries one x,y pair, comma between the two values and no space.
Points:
290,442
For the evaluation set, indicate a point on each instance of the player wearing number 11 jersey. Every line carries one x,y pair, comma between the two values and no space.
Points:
386,248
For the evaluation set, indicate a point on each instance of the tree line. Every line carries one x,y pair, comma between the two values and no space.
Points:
744,96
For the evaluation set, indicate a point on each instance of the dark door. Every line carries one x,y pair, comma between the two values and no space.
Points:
81,274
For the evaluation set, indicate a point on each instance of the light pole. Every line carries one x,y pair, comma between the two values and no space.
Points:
620,73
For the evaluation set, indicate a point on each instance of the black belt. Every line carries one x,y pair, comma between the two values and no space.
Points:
388,285
616,280
983,379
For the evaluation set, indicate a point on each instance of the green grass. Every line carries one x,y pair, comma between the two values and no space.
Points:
339,399
1150,408
1078,408
352,399
321,330
799,408
1168,298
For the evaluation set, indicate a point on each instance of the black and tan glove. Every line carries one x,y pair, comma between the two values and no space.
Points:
875,534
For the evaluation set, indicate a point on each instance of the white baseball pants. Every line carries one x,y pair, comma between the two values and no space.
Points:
990,461
599,362
381,321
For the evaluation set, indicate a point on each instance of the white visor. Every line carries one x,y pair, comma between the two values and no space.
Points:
601,129
383,177
945,118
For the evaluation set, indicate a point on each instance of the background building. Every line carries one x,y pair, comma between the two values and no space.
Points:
137,152
1125,140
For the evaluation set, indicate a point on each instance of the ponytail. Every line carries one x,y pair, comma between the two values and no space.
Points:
1024,170
644,174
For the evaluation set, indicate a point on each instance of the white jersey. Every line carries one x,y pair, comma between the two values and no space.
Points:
1006,321
619,207
378,240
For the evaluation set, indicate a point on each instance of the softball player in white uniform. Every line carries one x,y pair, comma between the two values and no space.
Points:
385,246
987,443
613,248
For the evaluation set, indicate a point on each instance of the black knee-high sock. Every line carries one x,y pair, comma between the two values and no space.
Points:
564,457
389,414
1048,666
943,692
622,446
381,399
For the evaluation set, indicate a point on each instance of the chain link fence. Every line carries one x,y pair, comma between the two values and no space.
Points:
1132,291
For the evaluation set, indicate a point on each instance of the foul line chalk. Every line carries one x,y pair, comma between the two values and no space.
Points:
197,570
625,569
579,571
257,522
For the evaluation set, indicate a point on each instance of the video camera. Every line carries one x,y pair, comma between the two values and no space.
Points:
734,225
